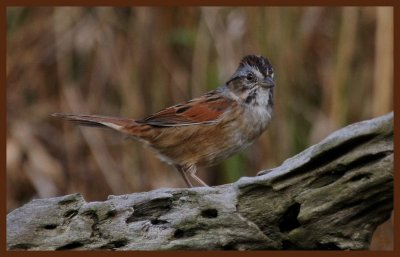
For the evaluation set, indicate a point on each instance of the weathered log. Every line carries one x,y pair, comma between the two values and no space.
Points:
331,196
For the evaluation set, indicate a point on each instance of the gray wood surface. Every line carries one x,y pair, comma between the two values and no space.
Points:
331,196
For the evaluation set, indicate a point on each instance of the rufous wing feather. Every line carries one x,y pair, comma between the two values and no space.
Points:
202,110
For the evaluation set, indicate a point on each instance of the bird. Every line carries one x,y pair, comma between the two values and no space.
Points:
205,130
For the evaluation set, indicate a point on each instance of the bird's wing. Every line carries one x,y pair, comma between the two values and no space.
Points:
207,109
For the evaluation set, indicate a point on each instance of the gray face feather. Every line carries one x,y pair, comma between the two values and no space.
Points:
253,79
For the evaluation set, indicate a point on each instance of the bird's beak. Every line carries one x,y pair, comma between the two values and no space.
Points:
268,82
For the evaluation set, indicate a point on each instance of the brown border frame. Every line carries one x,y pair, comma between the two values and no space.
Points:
6,3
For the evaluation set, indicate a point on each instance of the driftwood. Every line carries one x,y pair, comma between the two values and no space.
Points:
331,196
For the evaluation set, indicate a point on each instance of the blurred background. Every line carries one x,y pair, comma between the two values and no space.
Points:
333,67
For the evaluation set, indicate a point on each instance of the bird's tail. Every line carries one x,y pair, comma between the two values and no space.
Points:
97,121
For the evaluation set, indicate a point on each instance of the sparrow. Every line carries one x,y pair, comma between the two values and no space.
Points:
203,131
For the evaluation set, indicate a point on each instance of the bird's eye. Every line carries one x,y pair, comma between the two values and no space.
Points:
250,77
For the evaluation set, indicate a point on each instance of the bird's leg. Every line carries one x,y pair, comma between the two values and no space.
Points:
182,171
192,172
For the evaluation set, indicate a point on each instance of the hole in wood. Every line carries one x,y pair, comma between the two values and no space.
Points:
70,214
289,218
70,246
115,244
328,246
158,222
179,233
209,213
49,226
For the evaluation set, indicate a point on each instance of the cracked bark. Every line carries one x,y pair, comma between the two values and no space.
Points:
331,196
